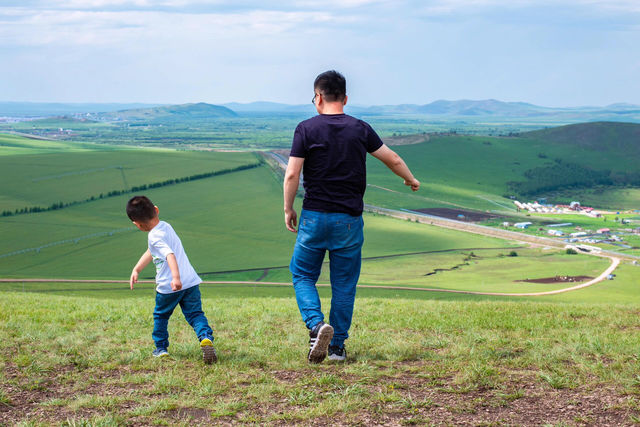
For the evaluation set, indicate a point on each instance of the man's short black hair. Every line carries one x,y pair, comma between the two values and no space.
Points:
140,208
332,85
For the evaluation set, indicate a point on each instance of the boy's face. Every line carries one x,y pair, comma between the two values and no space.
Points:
148,225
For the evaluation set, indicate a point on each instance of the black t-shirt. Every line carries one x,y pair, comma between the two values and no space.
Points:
334,148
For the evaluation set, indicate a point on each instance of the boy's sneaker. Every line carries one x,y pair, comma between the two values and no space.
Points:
338,354
319,339
160,352
208,352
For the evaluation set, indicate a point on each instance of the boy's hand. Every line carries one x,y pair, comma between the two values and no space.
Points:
176,284
414,184
133,279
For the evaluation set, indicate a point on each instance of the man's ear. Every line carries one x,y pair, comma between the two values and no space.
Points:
345,100
157,210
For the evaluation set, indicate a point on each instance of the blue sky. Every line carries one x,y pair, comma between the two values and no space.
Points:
551,53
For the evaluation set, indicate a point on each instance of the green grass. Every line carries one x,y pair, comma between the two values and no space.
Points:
409,358
41,179
461,170
226,222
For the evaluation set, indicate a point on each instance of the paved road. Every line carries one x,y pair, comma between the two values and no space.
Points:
603,276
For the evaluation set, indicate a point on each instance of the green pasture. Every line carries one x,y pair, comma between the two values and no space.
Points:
82,360
467,170
232,228
478,270
226,222
41,179
15,145
482,271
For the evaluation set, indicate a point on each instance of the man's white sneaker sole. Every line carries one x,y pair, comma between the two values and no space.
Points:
320,344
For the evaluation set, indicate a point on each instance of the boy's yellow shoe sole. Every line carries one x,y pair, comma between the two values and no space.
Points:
208,352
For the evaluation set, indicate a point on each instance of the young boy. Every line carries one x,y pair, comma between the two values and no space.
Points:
177,281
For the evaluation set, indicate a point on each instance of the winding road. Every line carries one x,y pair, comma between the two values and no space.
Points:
421,218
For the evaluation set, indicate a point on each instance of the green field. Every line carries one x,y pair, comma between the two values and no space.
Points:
79,353
232,228
463,171
85,360
51,172
96,240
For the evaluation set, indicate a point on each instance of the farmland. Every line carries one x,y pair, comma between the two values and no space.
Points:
96,240
78,353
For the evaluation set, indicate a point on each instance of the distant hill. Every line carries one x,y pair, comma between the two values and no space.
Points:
601,136
49,109
463,109
271,107
466,108
169,113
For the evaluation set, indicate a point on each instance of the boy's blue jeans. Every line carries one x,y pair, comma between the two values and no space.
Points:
341,234
189,300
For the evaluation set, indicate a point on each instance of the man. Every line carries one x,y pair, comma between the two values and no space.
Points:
332,148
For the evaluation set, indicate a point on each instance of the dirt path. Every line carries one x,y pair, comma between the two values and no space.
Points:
601,277
432,220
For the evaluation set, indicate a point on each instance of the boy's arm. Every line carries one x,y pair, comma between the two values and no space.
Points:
176,284
144,260
291,183
394,162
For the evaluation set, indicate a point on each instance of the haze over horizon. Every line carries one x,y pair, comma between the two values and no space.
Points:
563,53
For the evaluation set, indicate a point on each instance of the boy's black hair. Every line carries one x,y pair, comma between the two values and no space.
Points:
332,85
140,208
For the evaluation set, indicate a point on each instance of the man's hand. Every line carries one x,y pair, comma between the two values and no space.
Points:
176,284
414,184
133,279
291,219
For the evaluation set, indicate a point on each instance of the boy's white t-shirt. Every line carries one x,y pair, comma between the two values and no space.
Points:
162,242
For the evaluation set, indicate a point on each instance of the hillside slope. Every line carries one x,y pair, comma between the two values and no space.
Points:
600,136
183,112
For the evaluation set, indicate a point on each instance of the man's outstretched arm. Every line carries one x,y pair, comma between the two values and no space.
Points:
394,162
291,183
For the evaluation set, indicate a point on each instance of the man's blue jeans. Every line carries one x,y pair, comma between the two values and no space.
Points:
191,305
340,234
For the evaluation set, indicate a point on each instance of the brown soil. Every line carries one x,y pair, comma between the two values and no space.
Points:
411,394
469,216
406,139
558,279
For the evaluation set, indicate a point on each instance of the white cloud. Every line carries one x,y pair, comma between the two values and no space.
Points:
115,28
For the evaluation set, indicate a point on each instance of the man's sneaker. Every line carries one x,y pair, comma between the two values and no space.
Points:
160,352
208,352
339,354
319,339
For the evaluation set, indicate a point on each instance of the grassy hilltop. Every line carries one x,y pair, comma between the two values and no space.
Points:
78,354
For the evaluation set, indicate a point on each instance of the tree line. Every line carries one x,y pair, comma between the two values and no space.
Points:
565,175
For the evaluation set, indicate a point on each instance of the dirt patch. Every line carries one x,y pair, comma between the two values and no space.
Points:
459,214
406,393
406,139
195,414
558,279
